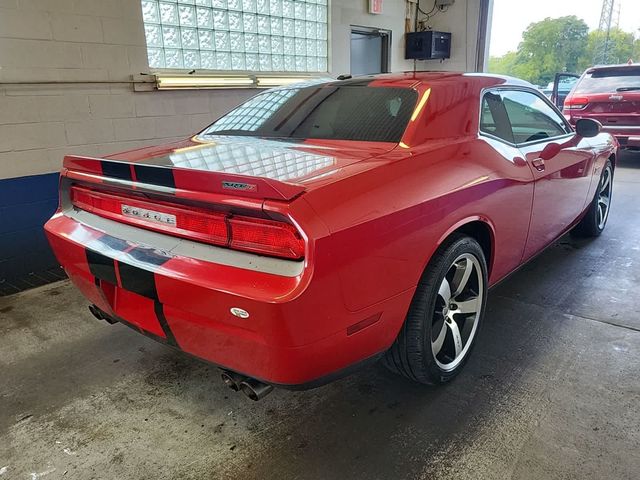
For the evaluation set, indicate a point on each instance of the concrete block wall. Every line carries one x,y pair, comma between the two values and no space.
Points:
83,41
77,41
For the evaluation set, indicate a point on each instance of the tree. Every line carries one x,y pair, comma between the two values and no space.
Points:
504,64
562,45
621,48
550,46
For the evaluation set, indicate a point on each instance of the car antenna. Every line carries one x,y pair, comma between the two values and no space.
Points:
346,76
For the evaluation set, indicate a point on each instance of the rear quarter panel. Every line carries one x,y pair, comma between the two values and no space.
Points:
387,222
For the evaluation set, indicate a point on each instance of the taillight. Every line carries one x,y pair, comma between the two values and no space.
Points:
188,222
576,103
267,237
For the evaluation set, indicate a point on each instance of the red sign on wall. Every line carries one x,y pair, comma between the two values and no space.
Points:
375,7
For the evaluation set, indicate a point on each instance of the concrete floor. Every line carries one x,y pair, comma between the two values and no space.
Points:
552,390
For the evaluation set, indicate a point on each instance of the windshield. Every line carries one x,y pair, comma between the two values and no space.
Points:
610,81
377,114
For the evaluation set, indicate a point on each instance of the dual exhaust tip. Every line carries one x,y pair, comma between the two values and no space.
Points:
251,387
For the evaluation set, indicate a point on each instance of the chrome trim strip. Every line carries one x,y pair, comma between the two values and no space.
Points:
621,127
173,246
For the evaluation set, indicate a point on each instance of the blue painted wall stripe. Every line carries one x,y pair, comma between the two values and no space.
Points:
28,189
25,205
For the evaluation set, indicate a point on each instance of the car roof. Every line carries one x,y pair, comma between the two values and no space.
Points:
412,79
621,66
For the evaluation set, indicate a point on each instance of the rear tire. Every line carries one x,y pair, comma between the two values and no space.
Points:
445,315
595,220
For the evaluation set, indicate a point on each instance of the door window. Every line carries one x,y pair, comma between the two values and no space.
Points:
493,118
532,119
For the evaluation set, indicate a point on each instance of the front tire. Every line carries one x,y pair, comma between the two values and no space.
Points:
595,220
445,315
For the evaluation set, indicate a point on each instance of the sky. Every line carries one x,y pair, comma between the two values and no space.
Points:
511,18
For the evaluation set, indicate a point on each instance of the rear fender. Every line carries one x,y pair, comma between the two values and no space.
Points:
460,225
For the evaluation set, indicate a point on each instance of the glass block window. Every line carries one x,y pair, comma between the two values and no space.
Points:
243,35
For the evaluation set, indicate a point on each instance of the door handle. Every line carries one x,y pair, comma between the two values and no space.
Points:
538,164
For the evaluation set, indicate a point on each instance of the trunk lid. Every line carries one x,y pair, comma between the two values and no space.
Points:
213,190
233,165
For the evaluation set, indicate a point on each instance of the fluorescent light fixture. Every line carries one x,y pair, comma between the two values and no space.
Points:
267,82
176,82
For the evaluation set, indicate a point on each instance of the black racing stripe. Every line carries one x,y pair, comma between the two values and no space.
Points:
101,266
114,243
116,170
169,340
138,281
148,255
159,309
143,282
153,257
155,175
144,332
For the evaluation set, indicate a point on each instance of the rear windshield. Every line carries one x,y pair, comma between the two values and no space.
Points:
610,81
377,114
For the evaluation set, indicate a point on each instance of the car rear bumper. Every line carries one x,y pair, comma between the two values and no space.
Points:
298,330
627,135
622,130
626,140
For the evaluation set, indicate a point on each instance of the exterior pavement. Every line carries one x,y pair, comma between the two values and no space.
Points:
552,390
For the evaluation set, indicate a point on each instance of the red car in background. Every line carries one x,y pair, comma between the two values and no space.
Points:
611,95
320,226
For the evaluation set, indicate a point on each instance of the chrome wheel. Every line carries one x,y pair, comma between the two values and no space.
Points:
604,198
457,312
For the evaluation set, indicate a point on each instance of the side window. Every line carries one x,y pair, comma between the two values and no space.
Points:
531,118
493,118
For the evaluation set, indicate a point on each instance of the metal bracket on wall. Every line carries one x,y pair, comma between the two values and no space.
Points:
144,82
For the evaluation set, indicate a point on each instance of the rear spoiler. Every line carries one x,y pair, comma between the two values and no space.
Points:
179,179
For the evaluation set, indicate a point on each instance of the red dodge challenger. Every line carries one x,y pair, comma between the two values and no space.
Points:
320,226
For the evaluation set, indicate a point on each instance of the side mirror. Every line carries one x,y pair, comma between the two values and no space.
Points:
550,151
587,128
